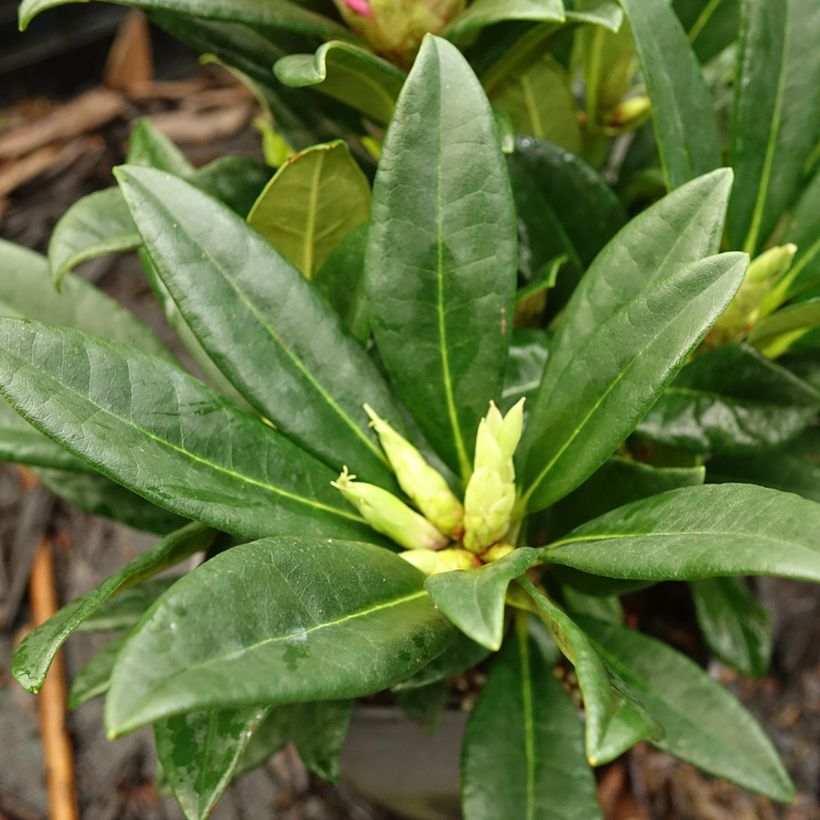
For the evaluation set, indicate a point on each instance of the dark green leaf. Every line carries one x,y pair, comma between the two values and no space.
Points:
699,532
615,720
604,607
473,599
199,753
150,148
37,650
523,751
235,180
736,627
22,444
731,400
196,454
317,197
461,655
123,611
711,25
289,356
525,365
631,322
776,114
341,619
275,14
482,13
704,724
347,73
424,705
441,264
683,112
93,679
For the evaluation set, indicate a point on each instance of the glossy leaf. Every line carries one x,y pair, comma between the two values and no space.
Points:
523,752
776,114
473,599
677,91
525,365
199,456
26,291
341,281
778,332
317,197
341,620
704,724
123,611
540,103
276,14
22,444
642,306
95,494
35,653
699,532
711,25
615,720
93,679
199,753
441,264
564,207
266,328
736,627
347,73
731,400
483,13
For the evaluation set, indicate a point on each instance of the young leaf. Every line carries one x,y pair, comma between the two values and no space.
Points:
776,114
641,264
266,328
704,724
779,332
199,753
615,720
341,619
347,73
731,400
736,627
274,14
483,13
679,95
317,197
523,753
35,653
441,264
699,532
166,436
473,599
93,679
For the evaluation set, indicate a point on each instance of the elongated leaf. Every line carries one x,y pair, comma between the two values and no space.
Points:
523,750
678,93
317,197
525,365
778,332
21,443
776,114
704,724
473,599
276,14
166,436
341,620
540,103
235,180
150,148
483,13
266,328
736,627
123,611
93,679
37,650
441,264
462,655
95,494
641,276
26,291
564,207
347,73
699,532
711,25
625,365
731,400
615,720
199,753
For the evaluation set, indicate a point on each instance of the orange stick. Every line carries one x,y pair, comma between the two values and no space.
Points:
57,751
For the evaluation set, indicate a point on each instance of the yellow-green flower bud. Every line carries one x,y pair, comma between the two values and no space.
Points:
390,515
424,484
490,497
755,290
496,552
431,563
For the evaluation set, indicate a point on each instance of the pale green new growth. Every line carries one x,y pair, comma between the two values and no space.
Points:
432,562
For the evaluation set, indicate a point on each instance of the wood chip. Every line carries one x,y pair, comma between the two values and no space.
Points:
197,128
130,60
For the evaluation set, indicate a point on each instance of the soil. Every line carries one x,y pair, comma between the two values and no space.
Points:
117,780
